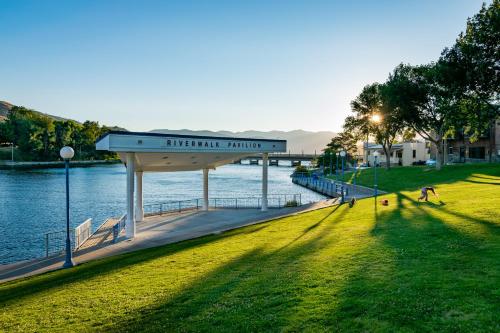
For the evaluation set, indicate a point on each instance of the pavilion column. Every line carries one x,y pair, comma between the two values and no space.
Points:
264,180
139,207
205,189
130,223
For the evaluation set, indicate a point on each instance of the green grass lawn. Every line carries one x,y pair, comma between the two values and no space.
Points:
416,177
406,267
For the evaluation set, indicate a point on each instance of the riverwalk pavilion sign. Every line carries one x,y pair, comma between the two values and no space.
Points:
155,152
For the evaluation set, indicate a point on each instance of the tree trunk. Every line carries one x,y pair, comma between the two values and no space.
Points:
492,140
439,153
388,161
445,151
387,156
365,151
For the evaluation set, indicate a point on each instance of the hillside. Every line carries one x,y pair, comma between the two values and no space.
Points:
43,135
6,106
4,109
298,141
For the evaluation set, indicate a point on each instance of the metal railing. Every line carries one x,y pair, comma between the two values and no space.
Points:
321,185
118,227
55,241
82,233
273,201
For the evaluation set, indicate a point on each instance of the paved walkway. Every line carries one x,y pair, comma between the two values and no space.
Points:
159,230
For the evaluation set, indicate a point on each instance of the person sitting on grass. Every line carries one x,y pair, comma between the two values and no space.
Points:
425,193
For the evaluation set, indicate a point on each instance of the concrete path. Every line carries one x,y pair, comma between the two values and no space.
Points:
160,230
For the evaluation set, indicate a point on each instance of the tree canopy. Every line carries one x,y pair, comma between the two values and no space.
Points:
40,137
458,92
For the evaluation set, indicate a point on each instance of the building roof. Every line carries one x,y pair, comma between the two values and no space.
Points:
396,146
174,152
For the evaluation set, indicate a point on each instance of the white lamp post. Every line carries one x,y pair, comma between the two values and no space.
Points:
375,155
67,153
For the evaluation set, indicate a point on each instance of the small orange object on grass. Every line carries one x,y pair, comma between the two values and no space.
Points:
384,202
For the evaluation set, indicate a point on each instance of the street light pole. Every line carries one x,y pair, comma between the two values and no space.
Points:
331,166
375,155
342,154
337,167
354,179
67,153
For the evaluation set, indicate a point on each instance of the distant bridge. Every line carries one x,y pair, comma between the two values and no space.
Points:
295,159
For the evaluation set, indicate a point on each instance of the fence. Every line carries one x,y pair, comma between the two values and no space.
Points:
273,201
83,232
118,227
55,242
321,185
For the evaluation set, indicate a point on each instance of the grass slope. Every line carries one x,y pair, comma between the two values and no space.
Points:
416,177
406,267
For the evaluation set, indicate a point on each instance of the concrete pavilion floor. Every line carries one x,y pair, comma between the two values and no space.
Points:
160,230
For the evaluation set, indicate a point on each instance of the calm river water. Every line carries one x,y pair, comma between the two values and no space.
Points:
32,202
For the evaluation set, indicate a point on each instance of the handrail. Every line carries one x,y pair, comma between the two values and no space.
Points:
83,232
55,241
274,201
118,227
322,185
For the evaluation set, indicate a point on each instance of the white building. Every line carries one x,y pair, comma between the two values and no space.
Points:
403,154
155,152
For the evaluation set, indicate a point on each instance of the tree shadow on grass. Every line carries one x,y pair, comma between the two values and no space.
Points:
317,224
423,276
417,277
17,290
480,182
493,227
409,179
258,291
489,177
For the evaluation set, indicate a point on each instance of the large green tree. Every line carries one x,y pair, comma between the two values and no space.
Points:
420,97
40,137
472,72
373,116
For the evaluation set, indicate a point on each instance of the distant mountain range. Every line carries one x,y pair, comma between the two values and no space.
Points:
298,141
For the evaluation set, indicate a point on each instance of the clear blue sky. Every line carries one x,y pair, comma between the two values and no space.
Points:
218,65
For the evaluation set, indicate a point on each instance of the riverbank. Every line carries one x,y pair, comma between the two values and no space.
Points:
409,266
159,230
33,200
6,165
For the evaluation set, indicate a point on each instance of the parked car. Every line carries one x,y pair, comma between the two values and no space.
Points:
419,163
430,162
